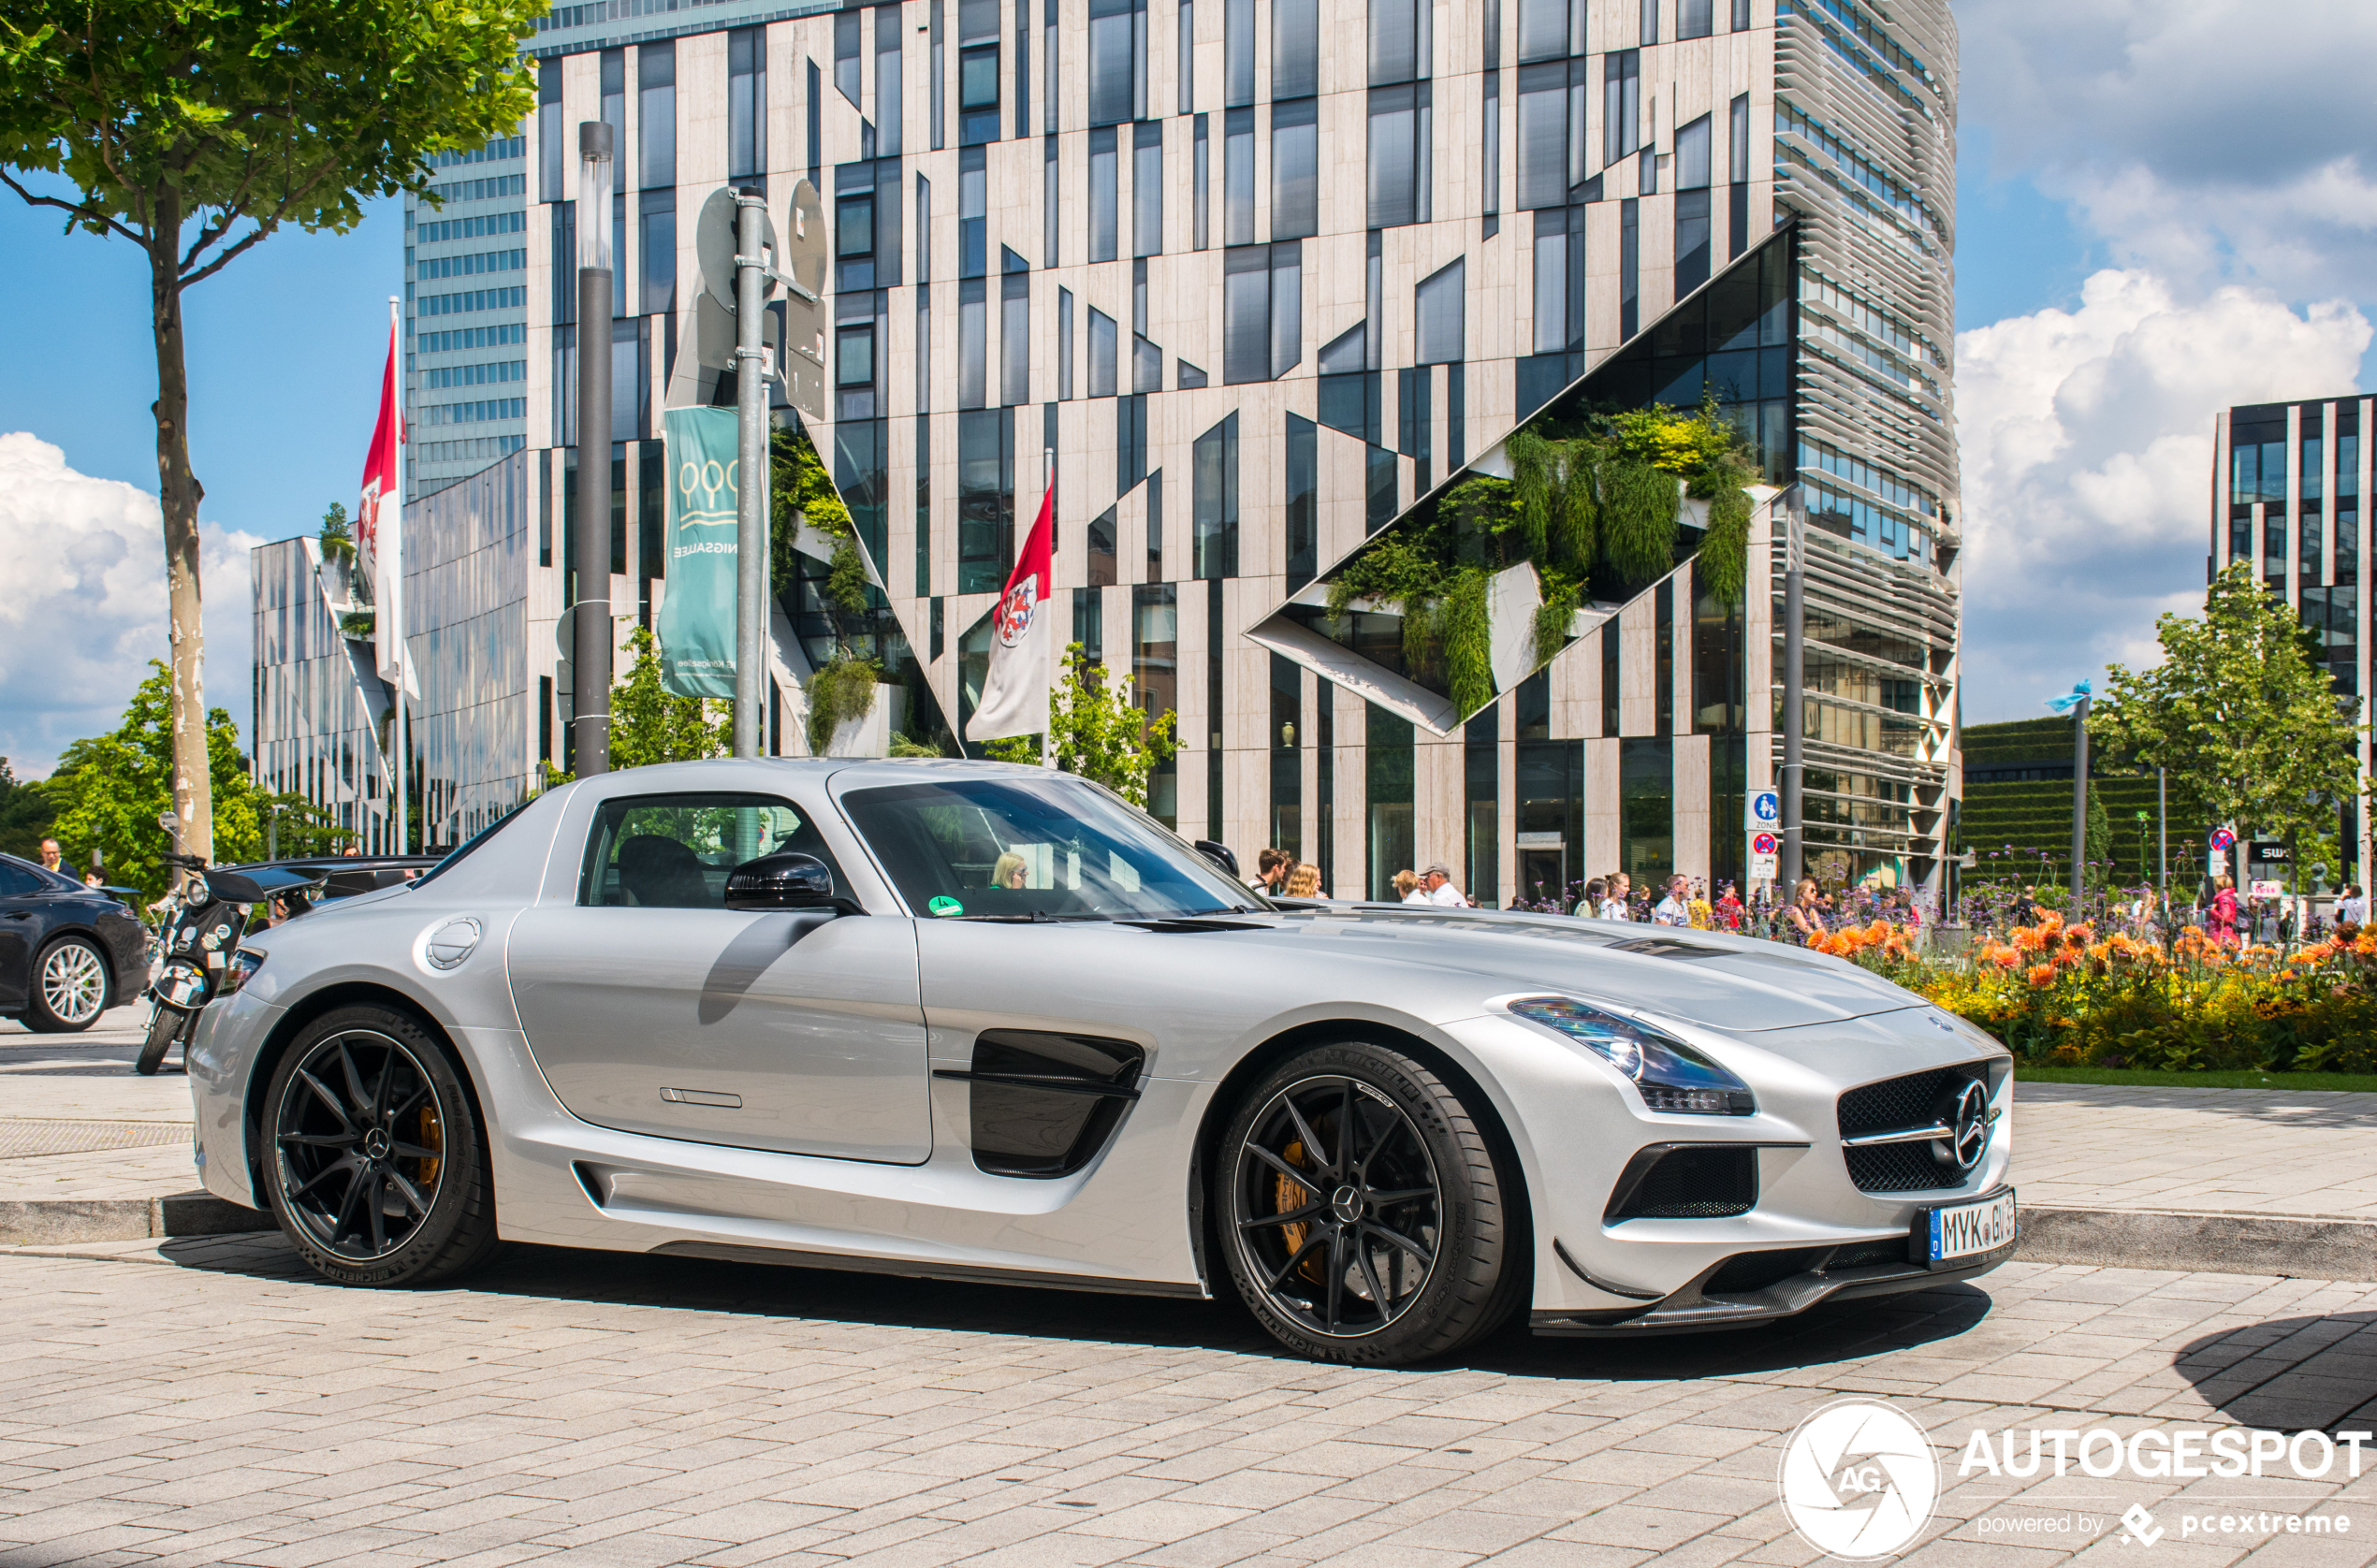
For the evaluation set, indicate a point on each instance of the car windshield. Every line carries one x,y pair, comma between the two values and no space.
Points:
999,849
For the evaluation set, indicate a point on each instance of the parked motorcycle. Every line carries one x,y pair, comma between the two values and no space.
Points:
201,929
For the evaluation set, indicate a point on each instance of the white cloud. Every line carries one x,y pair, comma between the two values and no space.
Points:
2205,139
86,606
2086,438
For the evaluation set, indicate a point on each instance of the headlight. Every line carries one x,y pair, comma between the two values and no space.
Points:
245,963
197,891
1671,1075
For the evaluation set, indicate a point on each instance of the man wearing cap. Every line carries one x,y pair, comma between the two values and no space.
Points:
1436,881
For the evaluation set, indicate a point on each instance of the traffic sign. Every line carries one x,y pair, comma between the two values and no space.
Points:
715,231
1765,808
1764,844
2272,852
1764,868
2223,840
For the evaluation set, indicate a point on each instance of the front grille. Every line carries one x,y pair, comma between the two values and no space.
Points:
1918,1099
1864,1255
1702,1181
1745,1272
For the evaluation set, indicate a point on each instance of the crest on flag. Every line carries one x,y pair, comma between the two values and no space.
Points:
1015,696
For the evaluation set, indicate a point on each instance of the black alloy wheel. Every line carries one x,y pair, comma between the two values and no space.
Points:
1364,1219
377,1168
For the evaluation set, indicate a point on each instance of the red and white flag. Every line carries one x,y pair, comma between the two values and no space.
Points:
379,531
1015,691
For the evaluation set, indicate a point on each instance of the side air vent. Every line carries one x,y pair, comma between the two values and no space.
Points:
1042,1105
1685,1182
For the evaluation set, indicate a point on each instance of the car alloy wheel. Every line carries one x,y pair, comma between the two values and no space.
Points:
359,1136
73,986
1337,1207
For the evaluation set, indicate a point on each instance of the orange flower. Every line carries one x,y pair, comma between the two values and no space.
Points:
2041,975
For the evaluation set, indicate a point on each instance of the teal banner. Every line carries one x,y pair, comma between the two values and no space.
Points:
698,609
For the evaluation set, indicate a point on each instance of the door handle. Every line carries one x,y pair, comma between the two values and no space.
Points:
20,914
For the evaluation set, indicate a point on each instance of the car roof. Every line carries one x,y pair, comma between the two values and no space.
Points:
732,773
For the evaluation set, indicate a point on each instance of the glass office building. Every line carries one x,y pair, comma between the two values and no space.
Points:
1252,277
2286,495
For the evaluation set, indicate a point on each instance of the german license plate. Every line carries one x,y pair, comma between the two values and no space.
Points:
1956,1232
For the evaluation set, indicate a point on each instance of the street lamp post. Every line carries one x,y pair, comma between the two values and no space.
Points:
751,269
590,713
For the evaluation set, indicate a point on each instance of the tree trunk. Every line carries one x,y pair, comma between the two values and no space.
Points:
178,496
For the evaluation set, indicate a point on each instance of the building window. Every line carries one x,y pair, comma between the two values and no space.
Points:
978,95
552,147
1105,197
1295,169
1103,349
2314,487
1544,30
1741,16
1303,511
985,499
1049,204
854,231
1023,67
1621,104
1238,177
973,331
1186,53
746,103
1440,313
1543,135
849,67
1237,54
1295,48
1262,312
1629,269
889,108
1399,155
1102,565
1214,502
1737,239
1694,19
1147,188
656,114
1117,61
1650,22
1131,466
1199,194
1552,334
973,208
1389,777
1155,669
656,211
1048,68
1014,330
1064,345
1399,41
1692,226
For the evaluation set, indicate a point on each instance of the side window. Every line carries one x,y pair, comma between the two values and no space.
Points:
16,881
675,851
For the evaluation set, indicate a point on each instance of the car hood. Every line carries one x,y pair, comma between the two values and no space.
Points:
1735,983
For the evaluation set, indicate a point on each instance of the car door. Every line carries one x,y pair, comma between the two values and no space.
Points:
653,1009
22,924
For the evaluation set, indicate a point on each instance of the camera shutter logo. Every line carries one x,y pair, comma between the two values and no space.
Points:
1858,1480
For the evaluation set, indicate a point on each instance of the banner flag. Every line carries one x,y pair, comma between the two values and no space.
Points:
379,531
697,628
1015,689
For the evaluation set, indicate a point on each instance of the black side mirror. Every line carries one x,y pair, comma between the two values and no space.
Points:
784,881
1219,854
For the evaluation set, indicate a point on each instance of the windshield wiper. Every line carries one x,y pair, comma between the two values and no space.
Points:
1036,917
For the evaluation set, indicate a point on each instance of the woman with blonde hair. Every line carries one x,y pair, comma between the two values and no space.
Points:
1009,872
1805,912
1405,884
1303,880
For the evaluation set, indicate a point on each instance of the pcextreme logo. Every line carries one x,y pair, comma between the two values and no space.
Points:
1858,1480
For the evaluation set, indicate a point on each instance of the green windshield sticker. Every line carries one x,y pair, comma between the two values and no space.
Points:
944,905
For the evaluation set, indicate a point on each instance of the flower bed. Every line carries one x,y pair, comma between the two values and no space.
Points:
2065,995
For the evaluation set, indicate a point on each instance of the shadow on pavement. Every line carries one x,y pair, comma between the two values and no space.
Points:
1822,1336
2289,1374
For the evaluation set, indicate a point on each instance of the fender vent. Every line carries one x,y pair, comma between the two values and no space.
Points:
1043,1105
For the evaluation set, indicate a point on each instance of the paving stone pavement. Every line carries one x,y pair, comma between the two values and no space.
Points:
2205,1151
88,1079
203,1401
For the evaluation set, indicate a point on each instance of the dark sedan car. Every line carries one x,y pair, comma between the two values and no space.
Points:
67,952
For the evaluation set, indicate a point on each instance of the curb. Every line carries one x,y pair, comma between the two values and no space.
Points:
48,1222
2297,1246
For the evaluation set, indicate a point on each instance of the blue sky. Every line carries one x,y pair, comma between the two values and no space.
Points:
2128,263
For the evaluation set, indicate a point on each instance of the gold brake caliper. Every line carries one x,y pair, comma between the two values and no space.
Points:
1289,1194
434,1139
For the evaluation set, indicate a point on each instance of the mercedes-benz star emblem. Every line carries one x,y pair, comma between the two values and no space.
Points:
1968,1126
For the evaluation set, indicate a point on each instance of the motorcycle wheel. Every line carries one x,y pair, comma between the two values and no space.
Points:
164,1025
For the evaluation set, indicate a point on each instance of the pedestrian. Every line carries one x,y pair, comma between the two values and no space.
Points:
1727,910
1676,908
51,855
1271,869
1613,902
1805,912
1435,885
2352,906
1407,888
1589,906
2223,921
2025,909
1305,882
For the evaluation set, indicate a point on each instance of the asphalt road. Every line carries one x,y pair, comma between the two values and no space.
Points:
202,1401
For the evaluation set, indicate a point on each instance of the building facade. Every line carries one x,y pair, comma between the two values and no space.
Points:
1266,275
2287,482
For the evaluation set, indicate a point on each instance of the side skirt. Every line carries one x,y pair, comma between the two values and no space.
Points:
730,1251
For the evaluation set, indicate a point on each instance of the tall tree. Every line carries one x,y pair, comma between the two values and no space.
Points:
2239,712
197,129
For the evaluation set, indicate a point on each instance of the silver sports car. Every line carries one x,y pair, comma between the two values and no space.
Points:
977,1022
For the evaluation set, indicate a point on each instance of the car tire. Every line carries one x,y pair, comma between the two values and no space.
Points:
375,1162
70,986
165,1027
1400,1244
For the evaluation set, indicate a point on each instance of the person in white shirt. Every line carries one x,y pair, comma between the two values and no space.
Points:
1614,906
1436,884
1675,909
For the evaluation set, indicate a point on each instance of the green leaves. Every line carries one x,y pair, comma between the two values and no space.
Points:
649,723
2238,711
838,693
1098,731
1638,512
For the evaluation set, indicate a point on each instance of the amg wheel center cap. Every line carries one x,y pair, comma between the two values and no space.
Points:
1345,1203
375,1144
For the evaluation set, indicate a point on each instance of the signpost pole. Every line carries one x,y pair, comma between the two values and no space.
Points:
591,615
750,493
2079,806
1794,690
